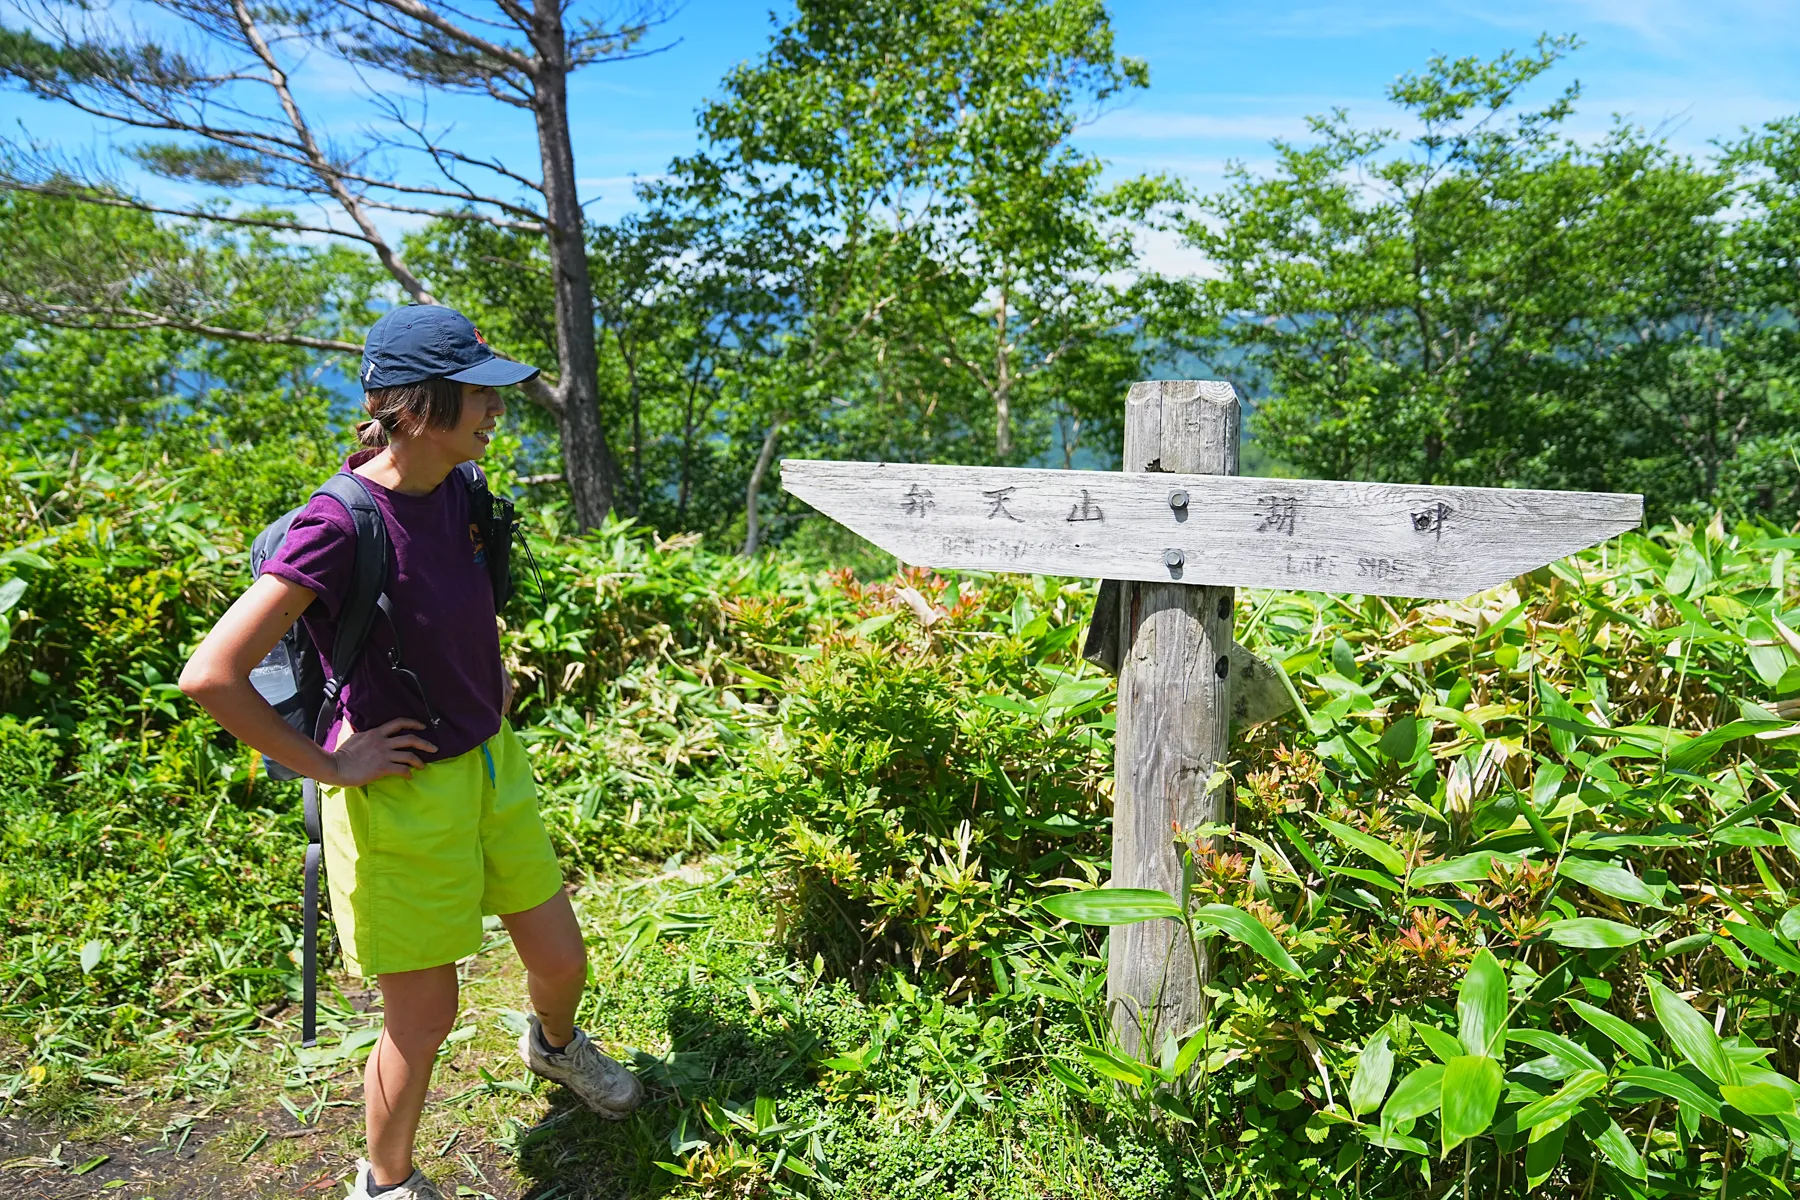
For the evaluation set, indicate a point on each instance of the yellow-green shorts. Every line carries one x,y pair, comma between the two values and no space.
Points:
414,864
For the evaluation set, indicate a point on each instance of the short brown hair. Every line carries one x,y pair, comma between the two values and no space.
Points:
409,409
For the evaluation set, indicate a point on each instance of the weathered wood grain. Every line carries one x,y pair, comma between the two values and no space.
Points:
1305,534
1257,692
1174,716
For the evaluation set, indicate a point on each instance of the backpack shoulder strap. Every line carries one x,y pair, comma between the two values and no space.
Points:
268,542
368,578
493,515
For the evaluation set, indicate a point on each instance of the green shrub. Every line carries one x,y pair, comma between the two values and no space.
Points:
921,777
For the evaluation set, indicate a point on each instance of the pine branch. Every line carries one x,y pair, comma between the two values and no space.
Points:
75,316
87,195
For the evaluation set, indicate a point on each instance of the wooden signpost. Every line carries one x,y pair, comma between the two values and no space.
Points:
1174,535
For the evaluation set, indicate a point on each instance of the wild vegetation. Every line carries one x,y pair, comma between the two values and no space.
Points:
1518,873
1509,903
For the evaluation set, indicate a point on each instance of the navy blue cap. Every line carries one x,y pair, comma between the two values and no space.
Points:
429,341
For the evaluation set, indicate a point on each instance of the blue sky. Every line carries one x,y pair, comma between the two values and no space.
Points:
1225,78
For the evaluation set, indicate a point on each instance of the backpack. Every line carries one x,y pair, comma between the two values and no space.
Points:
290,677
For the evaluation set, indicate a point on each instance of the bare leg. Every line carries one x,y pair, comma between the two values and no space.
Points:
548,940
421,1009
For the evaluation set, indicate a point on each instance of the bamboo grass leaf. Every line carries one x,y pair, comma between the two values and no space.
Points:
1471,1092
1240,926
1481,1007
1692,1035
1390,859
1622,1034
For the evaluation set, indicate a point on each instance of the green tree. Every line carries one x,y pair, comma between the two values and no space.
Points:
87,344
941,266
1763,354
229,102
1491,301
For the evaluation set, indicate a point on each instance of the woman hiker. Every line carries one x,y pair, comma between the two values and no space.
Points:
426,828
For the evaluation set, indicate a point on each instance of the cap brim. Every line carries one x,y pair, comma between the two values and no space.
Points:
495,372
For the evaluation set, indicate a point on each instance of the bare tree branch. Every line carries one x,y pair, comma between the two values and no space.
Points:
88,196
72,316
432,20
278,80
452,214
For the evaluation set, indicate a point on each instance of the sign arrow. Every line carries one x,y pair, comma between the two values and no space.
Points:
1380,539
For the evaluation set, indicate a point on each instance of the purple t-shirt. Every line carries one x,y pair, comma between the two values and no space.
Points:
443,603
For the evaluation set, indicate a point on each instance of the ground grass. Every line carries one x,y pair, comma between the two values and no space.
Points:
690,985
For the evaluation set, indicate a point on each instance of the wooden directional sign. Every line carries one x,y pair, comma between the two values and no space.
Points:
1306,534
1182,530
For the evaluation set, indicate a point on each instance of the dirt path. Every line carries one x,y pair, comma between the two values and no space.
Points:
485,1132
39,1165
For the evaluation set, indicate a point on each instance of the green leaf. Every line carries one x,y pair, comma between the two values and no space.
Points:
1069,1078
1374,1069
1401,740
1699,751
21,555
1563,1101
1552,704
1622,1034
873,624
1758,1099
1387,1139
756,677
1168,1102
1373,878
10,593
1442,1044
1240,926
1112,906
1190,1054
856,1060
1556,1044
1789,925
1418,1094
1612,1142
1389,858
1481,1007
1692,1035
1471,1091
1113,1067
1790,835
1667,1083
1420,652
1594,933
1744,835
1469,868
1611,880
1543,1153
1764,945
1305,847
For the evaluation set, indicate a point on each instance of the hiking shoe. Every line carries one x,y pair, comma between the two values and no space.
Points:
416,1187
603,1084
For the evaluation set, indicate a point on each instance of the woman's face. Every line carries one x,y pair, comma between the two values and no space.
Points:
481,408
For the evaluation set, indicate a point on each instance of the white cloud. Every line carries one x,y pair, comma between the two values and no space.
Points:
1165,253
